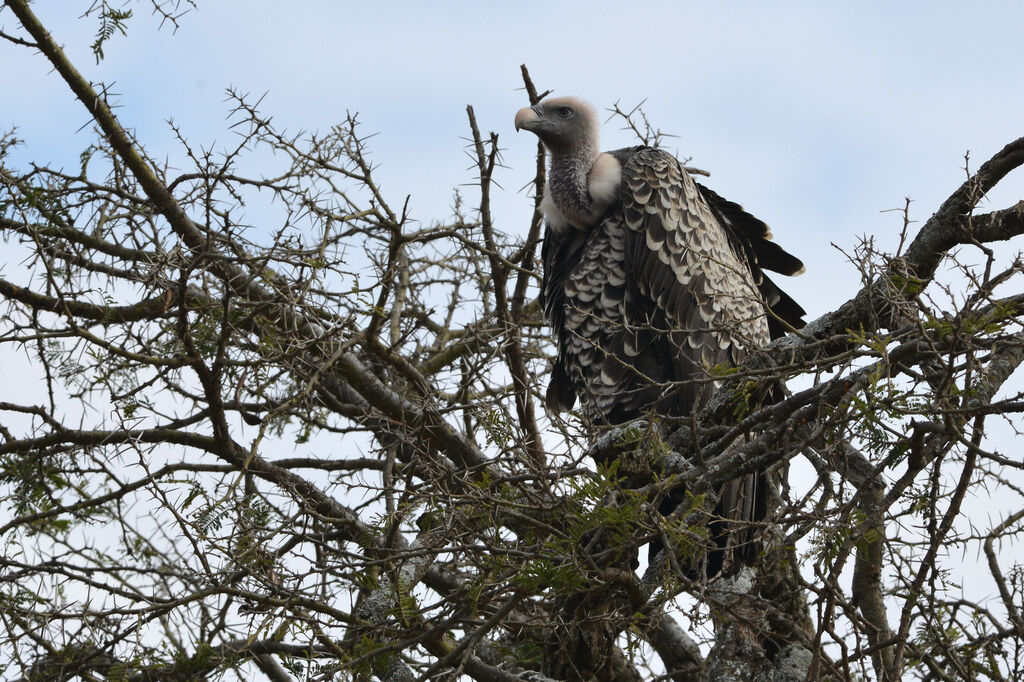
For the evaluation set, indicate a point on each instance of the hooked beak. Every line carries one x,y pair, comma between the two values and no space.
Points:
528,118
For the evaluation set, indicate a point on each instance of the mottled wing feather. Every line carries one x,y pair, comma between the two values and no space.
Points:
682,260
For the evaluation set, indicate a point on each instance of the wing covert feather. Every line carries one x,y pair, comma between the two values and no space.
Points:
682,260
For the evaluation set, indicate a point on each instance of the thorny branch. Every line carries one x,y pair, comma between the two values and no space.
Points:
309,448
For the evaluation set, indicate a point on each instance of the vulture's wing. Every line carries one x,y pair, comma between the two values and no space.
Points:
682,263
686,266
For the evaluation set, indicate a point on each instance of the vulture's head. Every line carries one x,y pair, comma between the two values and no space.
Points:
566,125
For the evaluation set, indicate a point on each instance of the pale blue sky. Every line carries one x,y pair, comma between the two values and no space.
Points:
815,116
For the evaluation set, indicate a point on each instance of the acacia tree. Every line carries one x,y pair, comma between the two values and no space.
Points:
446,527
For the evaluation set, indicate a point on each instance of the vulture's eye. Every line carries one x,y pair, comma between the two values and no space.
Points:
564,112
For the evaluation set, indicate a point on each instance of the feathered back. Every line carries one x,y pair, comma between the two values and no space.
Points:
661,290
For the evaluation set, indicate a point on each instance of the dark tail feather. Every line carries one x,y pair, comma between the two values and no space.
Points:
732,532
560,396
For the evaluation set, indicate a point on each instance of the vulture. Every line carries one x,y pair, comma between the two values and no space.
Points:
653,284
